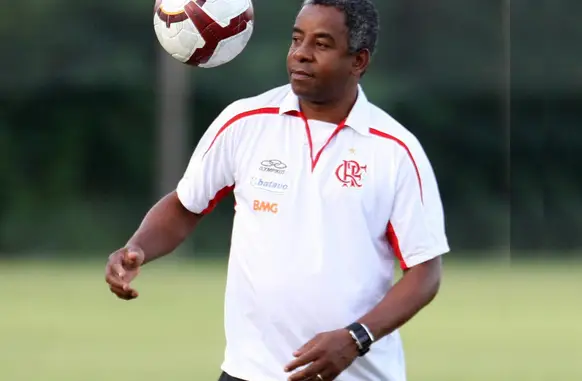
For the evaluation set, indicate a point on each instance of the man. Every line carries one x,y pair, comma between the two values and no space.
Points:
330,192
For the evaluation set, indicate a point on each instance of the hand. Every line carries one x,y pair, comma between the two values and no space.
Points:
329,353
122,267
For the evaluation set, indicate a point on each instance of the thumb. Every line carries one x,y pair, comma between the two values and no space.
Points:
132,258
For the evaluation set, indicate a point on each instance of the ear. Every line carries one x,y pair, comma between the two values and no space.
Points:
360,62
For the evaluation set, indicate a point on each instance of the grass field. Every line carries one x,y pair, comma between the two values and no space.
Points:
58,322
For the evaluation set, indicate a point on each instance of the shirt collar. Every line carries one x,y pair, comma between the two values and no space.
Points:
358,118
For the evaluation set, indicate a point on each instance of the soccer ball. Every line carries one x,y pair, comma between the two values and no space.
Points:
203,33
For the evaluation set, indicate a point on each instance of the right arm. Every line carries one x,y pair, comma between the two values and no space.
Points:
208,178
167,224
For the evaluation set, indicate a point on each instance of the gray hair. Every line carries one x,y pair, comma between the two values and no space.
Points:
362,21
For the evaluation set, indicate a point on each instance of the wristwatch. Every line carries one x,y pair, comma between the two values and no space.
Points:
362,336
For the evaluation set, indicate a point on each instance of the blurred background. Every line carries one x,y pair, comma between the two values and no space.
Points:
97,123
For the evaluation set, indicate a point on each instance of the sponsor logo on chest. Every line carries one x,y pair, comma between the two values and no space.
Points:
273,166
265,206
268,185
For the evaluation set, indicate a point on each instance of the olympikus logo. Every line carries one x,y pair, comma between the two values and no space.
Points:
273,165
263,206
271,186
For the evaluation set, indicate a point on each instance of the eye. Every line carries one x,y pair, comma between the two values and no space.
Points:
321,45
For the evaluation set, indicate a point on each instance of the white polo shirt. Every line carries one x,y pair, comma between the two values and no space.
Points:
322,212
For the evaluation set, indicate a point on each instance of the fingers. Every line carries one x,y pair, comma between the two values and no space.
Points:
120,287
310,372
323,358
114,276
303,359
124,293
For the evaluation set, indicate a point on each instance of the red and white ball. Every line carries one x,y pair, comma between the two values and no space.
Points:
203,33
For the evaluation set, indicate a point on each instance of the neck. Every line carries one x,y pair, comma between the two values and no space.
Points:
333,111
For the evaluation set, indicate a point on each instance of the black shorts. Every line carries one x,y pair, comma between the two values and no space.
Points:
226,377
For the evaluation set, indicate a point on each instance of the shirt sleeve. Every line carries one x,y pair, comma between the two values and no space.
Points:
209,176
416,230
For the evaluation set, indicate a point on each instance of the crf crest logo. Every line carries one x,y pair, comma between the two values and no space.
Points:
350,173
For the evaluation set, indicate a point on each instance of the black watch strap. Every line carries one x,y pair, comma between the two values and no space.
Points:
361,336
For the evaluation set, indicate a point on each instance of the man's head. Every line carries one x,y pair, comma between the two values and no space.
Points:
332,43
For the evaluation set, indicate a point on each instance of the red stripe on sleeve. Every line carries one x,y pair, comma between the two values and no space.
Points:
393,240
265,110
217,198
226,190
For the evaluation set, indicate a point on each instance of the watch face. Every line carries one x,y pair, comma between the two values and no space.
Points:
367,338
363,335
362,338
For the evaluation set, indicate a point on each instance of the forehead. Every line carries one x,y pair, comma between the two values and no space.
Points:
321,19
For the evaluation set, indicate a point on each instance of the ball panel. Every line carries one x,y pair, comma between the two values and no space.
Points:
174,6
229,48
222,11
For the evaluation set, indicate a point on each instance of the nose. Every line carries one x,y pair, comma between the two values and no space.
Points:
303,54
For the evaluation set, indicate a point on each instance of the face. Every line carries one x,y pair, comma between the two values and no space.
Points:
319,65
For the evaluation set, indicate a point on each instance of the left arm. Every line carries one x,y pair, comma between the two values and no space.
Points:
413,292
417,237
416,234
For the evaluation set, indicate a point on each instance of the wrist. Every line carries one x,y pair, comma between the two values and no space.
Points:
362,337
131,246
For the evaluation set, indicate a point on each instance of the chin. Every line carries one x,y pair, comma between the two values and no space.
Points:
303,91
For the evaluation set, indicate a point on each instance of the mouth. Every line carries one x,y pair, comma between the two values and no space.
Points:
300,74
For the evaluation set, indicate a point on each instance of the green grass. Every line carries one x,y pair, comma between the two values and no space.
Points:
60,323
